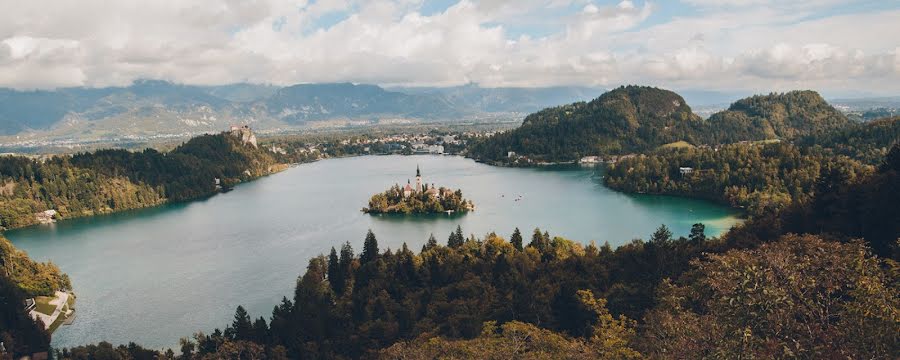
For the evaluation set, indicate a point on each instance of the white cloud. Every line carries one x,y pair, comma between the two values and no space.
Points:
764,46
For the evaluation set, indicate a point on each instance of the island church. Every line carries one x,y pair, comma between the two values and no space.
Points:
409,190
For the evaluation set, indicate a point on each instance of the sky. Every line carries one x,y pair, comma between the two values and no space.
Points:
717,45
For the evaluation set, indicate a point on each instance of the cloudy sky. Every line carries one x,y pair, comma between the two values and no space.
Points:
725,45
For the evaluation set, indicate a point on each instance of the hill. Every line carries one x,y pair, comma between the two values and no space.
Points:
105,181
773,116
624,120
636,119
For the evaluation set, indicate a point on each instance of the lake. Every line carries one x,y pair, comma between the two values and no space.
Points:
155,275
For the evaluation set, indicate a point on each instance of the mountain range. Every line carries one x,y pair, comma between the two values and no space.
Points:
151,108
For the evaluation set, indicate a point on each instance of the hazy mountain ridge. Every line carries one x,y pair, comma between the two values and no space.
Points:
524,100
160,108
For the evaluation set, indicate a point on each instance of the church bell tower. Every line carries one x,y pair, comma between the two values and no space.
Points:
418,179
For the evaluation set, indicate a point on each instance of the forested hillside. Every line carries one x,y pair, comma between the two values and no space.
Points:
774,116
624,120
636,119
110,180
868,142
21,278
761,177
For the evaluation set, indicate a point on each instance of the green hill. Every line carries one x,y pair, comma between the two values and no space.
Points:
635,119
774,116
110,180
627,119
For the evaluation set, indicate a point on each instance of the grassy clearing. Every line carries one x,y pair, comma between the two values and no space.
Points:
677,145
42,305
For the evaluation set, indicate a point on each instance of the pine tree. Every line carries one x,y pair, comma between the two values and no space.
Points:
346,267
516,239
241,326
456,238
539,241
335,276
261,331
370,248
431,244
661,235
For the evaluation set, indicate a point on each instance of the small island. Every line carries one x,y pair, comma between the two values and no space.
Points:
418,199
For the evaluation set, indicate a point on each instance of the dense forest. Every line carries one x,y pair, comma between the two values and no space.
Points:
636,119
867,142
760,177
110,180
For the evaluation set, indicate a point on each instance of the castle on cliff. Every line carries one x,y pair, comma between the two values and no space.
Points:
244,133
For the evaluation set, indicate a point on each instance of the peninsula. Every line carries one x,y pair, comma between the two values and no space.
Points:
418,199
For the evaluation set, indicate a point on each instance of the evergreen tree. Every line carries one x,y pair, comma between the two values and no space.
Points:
456,238
431,244
335,276
697,233
260,331
242,327
370,248
346,267
516,239
539,241
662,235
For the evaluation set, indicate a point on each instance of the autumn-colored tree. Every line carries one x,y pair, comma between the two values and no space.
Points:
799,297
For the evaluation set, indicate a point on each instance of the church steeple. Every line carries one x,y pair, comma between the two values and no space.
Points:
418,179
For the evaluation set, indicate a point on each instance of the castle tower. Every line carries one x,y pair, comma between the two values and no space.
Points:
418,179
